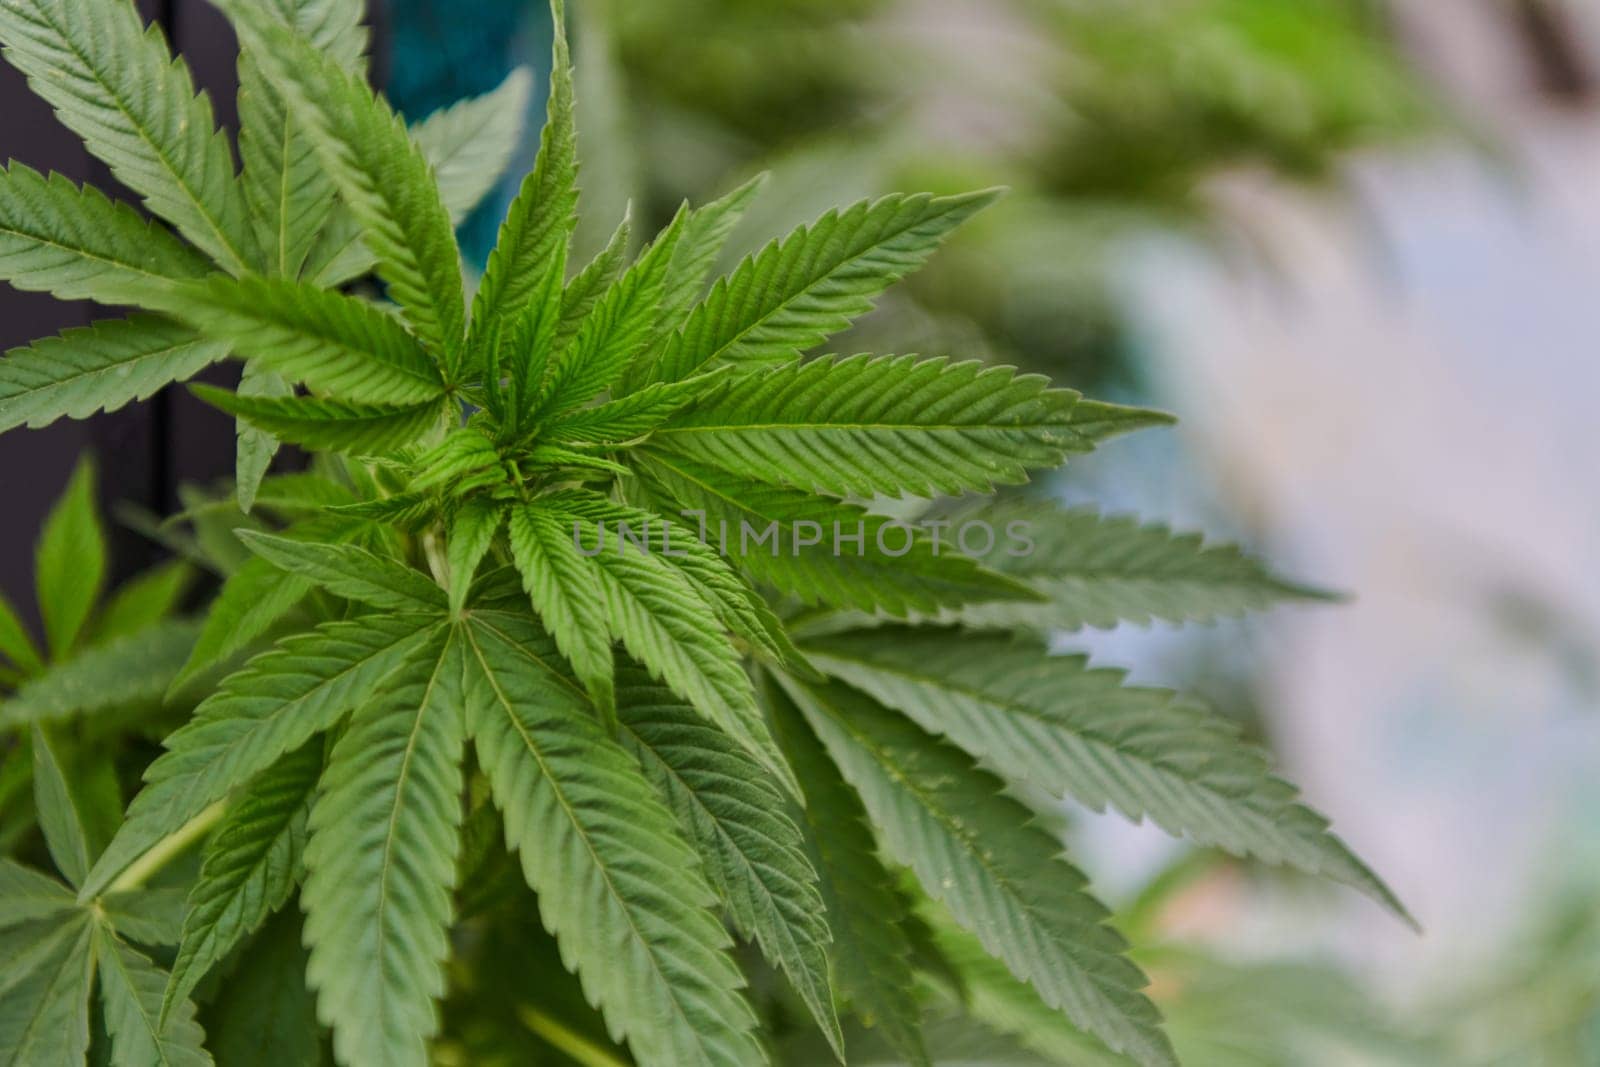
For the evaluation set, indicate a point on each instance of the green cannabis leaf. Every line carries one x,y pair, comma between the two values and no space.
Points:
591,590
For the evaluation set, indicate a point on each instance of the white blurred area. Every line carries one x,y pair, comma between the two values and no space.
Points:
1406,405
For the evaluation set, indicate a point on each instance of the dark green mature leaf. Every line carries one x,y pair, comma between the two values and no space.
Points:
254,597
291,197
1075,731
115,84
470,142
289,194
123,672
330,425
994,996
753,853
70,562
1099,570
59,817
304,685
98,368
44,995
978,851
131,987
866,425
795,293
148,916
616,882
380,172
26,895
72,241
539,223
350,571
251,865
871,950
800,557
380,863
263,1015
338,345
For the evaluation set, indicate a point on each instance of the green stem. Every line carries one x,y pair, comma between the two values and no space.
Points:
167,849
579,1048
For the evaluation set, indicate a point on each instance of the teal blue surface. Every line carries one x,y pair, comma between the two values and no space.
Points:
441,52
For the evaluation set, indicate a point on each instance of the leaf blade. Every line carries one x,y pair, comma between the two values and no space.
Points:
634,923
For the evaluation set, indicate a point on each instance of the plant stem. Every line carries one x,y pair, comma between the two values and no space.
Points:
579,1048
167,849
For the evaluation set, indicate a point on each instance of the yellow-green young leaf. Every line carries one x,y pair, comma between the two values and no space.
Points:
98,368
795,293
616,883
703,237
380,173
123,672
143,601
70,562
254,449
623,323
44,993
980,853
864,426
754,855
59,817
301,687
339,345
471,142
472,533
598,275
74,242
1099,570
330,425
116,85
15,644
871,951
565,591
251,866
786,538
539,223
380,863
656,610
1053,721
625,419
131,987
351,572
26,895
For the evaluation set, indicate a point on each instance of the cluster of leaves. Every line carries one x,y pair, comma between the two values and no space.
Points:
670,740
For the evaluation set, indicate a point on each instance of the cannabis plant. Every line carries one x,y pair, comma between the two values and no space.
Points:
597,569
